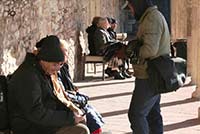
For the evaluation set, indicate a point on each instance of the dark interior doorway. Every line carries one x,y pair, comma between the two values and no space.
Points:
164,7
130,24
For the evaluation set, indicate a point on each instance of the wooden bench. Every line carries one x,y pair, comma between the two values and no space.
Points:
88,59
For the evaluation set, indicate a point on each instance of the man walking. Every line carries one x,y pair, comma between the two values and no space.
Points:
144,111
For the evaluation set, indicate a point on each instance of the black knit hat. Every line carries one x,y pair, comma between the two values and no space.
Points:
111,20
50,49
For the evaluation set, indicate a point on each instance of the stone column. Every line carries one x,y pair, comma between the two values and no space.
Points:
195,44
195,18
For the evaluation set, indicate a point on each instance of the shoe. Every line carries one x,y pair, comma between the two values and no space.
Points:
129,72
109,72
126,75
118,76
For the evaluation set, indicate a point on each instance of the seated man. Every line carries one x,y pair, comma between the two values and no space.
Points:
33,107
112,28
69,95
125,61
90,31
110,48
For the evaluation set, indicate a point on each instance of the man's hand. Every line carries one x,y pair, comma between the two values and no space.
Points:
79,118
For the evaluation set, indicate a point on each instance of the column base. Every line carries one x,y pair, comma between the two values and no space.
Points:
199,112
196,94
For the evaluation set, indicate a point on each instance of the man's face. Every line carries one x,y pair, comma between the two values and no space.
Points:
131,7
105,24
51,67
114,25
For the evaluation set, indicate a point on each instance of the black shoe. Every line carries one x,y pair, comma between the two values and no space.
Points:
125,74
118,76
109,72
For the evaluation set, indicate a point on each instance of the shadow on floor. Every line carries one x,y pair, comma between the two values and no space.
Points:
114,113
111,95
105,83
188,100
125,111
183,124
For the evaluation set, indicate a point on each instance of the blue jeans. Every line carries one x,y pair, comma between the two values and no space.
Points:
144,111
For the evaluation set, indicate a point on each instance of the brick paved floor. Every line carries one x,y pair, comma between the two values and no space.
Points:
111,98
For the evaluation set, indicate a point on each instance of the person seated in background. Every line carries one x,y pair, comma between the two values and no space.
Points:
32,105
68,93
110,48
113,26
125,61
90,31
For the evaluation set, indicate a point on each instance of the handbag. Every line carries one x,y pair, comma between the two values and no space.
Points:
163,75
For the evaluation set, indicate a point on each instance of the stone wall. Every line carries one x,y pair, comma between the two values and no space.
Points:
24,22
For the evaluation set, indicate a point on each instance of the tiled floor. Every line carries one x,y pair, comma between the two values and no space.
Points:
111,98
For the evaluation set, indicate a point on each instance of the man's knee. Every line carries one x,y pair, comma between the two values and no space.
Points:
77,129
83,129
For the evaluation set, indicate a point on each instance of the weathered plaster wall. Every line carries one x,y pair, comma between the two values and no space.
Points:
24,22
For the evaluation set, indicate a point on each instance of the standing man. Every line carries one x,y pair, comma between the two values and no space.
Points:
144,111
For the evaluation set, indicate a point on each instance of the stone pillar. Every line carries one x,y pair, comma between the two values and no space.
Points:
185,23
195,44
199,112
194,47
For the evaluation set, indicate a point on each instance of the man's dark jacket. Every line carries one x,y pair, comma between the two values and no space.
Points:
112,33
66,78
91,30
32,105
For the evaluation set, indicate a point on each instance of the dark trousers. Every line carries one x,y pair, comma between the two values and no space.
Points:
144,111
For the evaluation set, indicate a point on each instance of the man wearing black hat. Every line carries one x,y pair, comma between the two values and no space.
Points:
33,107
153,33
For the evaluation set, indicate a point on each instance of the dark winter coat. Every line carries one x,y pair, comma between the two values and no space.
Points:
101,39
66,78
105,45
32,105
90,30
112,33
